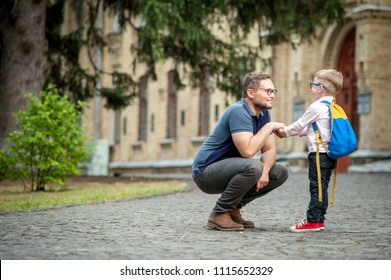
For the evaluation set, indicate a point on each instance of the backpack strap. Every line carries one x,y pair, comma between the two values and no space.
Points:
336,165
317,135
318,141
334,184
320,196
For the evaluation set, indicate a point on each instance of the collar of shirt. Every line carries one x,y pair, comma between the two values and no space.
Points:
244,102
326,98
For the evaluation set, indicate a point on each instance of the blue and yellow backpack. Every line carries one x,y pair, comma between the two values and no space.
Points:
342,143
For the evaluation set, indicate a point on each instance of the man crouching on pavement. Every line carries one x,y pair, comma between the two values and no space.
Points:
225,164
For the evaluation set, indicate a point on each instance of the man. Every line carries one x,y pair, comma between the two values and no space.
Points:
224,164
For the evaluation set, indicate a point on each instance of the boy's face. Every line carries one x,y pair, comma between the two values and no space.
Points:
317,90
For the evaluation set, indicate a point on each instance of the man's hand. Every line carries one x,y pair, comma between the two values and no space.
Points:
275,126
280,133
263,181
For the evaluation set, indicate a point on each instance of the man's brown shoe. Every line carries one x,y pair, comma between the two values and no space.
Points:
237,218
223,222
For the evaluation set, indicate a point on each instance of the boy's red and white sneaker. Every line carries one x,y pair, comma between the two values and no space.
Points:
306,226
321,225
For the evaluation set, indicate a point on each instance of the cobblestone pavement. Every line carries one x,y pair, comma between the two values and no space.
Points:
174,227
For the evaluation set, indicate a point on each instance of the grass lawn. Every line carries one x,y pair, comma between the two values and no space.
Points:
14,197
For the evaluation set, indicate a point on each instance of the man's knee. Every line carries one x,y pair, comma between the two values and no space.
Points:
254,168
284,172
281,172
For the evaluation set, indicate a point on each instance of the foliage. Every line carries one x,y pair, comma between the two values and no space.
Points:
181,31
50,143
65,70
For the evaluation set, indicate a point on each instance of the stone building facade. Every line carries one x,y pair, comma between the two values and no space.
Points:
162,129
360,50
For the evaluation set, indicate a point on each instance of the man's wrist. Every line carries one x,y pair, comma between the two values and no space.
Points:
271,127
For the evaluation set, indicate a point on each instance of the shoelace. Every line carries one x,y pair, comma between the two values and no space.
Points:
301,223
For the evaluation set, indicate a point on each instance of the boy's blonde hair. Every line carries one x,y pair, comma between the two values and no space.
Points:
331,79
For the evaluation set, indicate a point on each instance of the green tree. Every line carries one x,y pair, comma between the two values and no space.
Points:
50,144
177,30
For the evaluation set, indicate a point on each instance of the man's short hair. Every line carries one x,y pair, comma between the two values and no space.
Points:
252,80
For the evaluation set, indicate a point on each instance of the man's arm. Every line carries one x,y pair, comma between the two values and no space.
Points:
249,144
269,153
268,159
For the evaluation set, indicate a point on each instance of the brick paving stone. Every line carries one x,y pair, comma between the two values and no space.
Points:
174,227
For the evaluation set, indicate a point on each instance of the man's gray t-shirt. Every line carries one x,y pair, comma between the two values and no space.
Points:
219,144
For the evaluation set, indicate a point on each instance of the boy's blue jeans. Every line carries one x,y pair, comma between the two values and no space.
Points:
317,210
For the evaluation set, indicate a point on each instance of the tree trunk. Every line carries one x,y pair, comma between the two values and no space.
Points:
22,60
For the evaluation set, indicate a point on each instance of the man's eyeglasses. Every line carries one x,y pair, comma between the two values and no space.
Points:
269,91
316,84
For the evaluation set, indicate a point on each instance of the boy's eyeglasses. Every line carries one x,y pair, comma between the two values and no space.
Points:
316,84
269,91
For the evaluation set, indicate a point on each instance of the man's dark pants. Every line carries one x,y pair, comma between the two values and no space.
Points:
236,179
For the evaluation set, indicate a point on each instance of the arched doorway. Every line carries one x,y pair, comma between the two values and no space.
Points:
347,98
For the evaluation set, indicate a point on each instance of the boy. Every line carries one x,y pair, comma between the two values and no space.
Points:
326,85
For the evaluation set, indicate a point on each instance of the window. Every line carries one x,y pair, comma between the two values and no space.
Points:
143,106
125,126
203,126
117,115
217,112
171,105
79,10
115,25
183,118
152,122
364,103
298,110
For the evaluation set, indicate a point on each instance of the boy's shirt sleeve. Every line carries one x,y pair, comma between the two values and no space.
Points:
301,126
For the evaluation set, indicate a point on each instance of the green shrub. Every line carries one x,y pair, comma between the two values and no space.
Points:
50,143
